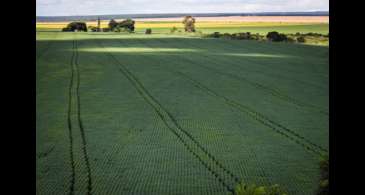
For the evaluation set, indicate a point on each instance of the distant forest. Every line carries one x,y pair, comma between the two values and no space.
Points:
117,16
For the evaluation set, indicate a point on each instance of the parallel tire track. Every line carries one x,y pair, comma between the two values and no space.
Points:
260,118
69,123
270,90
257,116
82,131
176,129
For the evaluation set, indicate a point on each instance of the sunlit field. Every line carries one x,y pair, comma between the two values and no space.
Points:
211,26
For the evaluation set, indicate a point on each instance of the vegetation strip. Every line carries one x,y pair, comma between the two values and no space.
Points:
174,127
86,158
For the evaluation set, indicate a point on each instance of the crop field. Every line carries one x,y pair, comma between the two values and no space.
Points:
163,27
171,114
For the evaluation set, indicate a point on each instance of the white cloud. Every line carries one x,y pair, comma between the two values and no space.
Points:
94,7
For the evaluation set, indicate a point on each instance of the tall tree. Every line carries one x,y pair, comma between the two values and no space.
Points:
189,23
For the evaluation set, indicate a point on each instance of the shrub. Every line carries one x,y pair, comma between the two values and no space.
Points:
173,29
105,29
301,39
93,28
276,37
66,29
189,23
148,31
324,182
216,35
244,189
76,26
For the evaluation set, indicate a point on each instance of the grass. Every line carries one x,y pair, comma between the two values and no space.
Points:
171,114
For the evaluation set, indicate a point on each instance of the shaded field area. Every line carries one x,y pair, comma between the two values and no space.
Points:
168,114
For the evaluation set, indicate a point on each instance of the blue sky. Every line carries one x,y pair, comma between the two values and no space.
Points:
95,7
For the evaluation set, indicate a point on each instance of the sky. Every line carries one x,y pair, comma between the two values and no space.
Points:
101,7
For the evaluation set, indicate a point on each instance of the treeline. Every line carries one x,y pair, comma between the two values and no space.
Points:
271,36
113,26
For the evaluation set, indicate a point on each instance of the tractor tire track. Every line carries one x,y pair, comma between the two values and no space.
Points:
267,89
81,127
69,123
313,147
171,123
259,117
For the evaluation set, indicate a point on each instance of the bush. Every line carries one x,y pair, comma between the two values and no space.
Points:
148,31
324,182
276,37
105,29
93,28
244,189
173,29
75,26
216,35
301,39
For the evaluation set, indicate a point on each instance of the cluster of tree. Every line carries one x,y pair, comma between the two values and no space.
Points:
123,26
189,24
75,26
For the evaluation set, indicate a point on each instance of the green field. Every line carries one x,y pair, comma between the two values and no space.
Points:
169,114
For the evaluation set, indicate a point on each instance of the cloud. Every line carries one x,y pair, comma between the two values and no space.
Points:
95,7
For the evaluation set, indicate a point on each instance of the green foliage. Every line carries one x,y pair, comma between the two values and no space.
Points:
301,39
75,26
148,31
123,26
173,29
252,189
93,28
324,181
266,78
276,37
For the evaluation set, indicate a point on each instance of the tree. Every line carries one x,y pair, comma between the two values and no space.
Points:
76,26
125,25
189,23
275,36
112,24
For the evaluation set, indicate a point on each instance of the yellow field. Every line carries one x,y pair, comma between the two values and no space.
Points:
202,24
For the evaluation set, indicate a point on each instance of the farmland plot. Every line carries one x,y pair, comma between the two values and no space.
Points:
160,114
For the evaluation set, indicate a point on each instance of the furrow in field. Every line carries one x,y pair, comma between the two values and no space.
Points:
79,118
190,142
314,147
257,116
